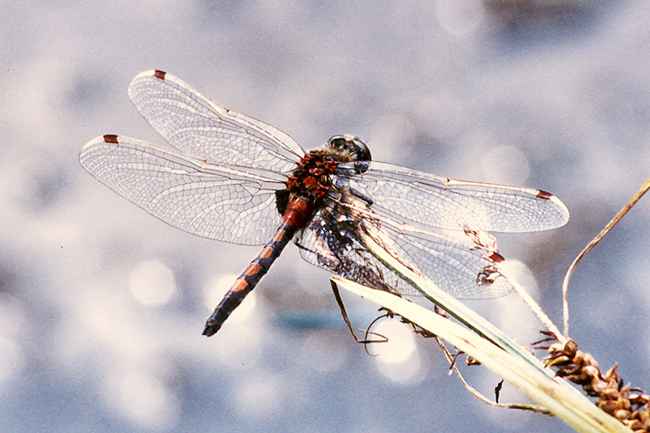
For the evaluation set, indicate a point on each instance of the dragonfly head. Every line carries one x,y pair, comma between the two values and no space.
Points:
350,145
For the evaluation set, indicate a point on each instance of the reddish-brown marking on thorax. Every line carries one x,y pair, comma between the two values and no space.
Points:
308,183
311,178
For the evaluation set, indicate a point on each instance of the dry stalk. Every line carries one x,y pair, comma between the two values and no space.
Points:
630,406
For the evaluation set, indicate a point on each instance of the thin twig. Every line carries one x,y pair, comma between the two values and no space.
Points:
593,243
537,310
344,314
454,367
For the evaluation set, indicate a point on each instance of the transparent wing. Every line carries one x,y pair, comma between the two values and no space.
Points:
196,125
215,201
439,202
456,265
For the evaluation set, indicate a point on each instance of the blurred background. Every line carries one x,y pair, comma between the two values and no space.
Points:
102,306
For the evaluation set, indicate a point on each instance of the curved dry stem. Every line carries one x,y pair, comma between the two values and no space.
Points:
473,391
565,284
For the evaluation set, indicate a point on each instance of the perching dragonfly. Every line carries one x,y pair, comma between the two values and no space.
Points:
233,178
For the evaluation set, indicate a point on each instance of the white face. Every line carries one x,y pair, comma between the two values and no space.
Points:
349,147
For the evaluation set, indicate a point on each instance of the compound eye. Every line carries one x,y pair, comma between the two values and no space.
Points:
362,151
352,144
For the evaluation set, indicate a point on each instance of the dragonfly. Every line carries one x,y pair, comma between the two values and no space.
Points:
232,178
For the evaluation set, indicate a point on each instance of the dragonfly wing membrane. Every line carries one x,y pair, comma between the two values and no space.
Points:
455,264
213,201
439,202
338,249
194,124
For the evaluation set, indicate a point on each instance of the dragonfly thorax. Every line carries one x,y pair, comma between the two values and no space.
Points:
310,180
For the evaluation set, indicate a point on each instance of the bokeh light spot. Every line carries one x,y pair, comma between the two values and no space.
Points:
152,283
143,399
